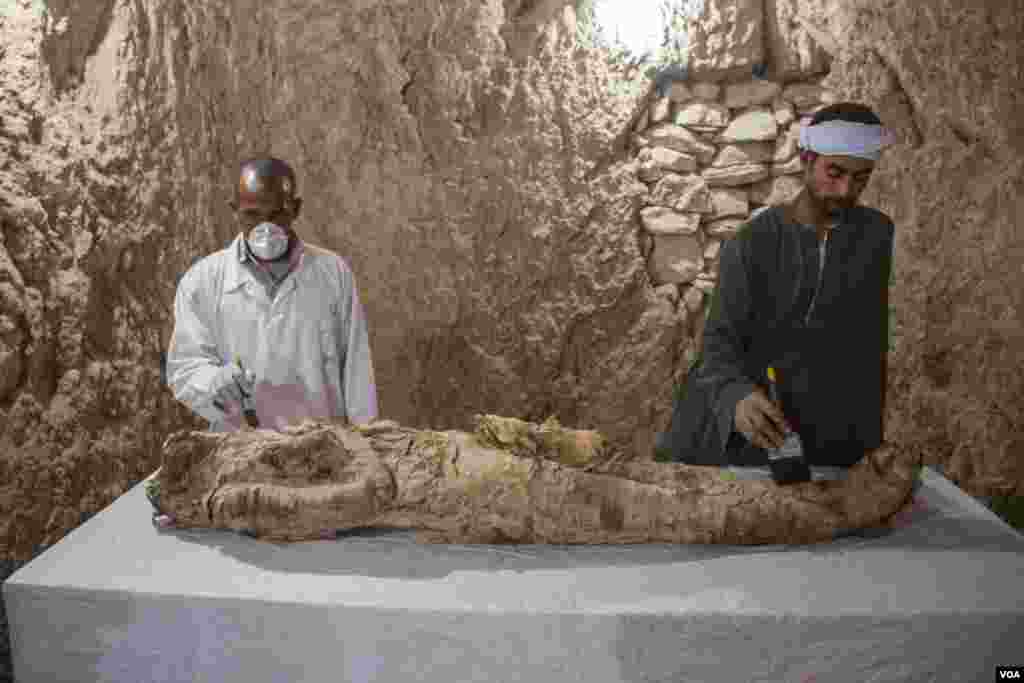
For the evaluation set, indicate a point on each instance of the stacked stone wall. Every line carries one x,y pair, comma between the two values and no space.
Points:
711,155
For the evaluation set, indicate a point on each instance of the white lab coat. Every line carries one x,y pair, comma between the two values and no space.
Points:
308,347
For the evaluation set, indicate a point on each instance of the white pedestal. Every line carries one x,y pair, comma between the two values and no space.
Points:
939,599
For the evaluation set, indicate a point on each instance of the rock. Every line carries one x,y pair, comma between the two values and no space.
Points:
693,299
708,92
708,134
723,227
659,110
803,95
688,193
711,250
750,93
743,153
777,190
810,111
785,114
676,258
655,162
726,39
668,292
681,140
751,126
798,48
642,121
705,282
730,176
702,116
679,92
729,202
659,220
509,481
790,167
787,146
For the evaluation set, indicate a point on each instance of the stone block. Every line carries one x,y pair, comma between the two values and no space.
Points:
708,134
676,259
803,95
659,110
723,227
702,115
787,145
744,153
776,190
711,250
679,92
642,121
790,167
668,292
708,92
693,299
785,114
731,176
810,111
752,126
750,93
683,193
655,162
681,140
730,202
659,220
705,282
726,39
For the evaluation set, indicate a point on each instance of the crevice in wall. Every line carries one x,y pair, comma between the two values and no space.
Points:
75,32
899,104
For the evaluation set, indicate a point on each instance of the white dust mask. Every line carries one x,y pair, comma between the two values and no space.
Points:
268,241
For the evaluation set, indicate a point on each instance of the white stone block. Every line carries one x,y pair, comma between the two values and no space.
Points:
752,126
702,115
730,201
731,176
682,193
750,93
659,220
676,258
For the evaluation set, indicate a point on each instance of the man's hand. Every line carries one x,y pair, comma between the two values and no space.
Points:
760,420
229,385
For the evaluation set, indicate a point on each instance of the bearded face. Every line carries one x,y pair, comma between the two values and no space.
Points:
835,183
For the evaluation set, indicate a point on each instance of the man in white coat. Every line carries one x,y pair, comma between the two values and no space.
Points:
270,320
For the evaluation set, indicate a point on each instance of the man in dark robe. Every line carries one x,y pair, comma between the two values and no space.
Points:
802,287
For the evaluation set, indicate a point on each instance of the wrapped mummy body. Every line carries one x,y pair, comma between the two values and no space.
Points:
508,482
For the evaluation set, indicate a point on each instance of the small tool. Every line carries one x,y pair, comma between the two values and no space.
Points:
787,463
248,403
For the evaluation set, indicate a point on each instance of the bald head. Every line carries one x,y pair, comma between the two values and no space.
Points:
266,177
266,191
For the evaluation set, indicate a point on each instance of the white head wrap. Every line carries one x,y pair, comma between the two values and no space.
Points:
845,138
